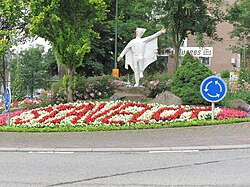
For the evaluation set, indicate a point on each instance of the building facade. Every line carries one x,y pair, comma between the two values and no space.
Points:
223,58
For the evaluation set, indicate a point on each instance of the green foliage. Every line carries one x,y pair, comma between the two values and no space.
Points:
158,83
58,94
94,88
240,90
225,74
131,17
29,72
68,26
50,60
231,95
187,81
244,76
238,15
65,82
70,128
69,29
18,91
187,17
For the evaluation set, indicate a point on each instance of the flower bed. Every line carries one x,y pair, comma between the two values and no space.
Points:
113,113
4,116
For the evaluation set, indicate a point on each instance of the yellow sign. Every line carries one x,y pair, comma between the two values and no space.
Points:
115,72
234,76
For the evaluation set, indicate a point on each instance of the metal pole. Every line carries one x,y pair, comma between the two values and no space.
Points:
9,117
116,30
244,55
213,106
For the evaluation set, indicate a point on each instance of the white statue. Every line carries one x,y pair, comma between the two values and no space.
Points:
140,52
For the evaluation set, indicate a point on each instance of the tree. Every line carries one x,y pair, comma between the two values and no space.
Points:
10,28
51,63
183,17
67,25
17,80
5,44
101,58
30,72
187,80
238,15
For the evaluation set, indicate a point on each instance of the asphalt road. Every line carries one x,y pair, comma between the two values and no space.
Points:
135,169
206,137
190,156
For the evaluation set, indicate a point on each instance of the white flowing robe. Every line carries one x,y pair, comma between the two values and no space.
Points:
144,49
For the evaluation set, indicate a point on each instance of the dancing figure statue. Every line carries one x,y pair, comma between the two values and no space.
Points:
140,52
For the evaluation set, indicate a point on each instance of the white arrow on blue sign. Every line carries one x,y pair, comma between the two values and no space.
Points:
213,89
7,99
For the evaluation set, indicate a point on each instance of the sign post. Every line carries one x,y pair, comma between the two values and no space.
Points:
7,102
213,89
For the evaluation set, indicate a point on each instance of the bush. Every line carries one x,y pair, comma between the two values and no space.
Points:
58,94
244,76
94,87
238,90
225,74
187,81
158,83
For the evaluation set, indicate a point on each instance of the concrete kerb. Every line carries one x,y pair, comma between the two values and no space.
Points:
143,149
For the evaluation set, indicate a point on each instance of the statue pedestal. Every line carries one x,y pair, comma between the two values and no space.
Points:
130,93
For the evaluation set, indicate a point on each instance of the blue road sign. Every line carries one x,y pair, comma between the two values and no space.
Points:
7,99
213,89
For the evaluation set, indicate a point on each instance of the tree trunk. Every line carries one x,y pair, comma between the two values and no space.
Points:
176,58
4,77
61,70
70,81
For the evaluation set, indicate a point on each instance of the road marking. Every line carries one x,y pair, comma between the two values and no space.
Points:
65,152
50,152
180,151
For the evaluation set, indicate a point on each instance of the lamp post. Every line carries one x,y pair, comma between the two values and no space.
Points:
244,50
115,70
116,30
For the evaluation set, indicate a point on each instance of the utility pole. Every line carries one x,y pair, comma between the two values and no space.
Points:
116,31
244,52
115,71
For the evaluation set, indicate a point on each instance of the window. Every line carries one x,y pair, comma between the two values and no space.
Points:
205,60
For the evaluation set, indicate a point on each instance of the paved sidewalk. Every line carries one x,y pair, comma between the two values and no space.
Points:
230,136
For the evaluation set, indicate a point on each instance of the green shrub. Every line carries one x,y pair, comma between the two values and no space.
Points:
58,94
94,87
244,95
187,80
244,76
225,74
238,90
157,83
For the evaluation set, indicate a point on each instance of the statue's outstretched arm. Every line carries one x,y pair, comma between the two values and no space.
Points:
125,50
149,38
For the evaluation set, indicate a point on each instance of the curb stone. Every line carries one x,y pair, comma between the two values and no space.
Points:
142,149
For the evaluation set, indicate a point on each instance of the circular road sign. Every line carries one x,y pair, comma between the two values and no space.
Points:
213,89
7,99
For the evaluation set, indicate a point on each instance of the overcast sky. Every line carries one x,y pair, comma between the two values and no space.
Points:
40,41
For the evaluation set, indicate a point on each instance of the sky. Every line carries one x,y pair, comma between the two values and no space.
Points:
40,41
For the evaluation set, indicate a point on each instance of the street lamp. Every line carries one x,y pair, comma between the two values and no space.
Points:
116,30
244,50
115,70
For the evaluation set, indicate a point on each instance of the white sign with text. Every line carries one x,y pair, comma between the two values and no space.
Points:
197,51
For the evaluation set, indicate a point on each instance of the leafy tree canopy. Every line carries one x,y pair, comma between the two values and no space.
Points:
238,15
183,17
30,71
67,25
